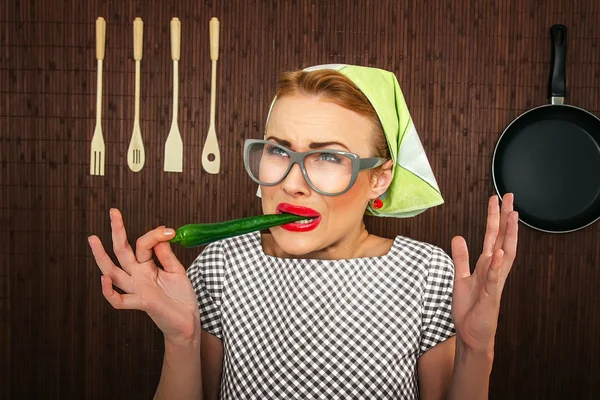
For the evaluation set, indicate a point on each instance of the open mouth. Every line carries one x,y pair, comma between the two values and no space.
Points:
312,220
305,221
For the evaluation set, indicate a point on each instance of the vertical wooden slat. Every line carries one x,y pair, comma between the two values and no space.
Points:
5,237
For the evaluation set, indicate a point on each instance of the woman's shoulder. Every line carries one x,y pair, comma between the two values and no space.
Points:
221,251
419,252
406,241
218,259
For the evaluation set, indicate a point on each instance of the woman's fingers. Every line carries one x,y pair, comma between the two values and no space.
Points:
510,241
507,208
117,300
492,226
121,246
493,282
146,243
502,260
108,268
460,255
167,258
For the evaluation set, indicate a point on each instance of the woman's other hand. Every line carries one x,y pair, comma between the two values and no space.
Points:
476,302
166,294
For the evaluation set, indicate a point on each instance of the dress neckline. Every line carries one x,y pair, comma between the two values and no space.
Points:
257,238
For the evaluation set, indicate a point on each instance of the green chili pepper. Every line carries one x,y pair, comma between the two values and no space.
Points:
199,234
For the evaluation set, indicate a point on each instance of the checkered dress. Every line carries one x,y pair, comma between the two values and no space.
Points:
323,329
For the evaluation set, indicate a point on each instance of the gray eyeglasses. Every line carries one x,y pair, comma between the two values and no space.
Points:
328,172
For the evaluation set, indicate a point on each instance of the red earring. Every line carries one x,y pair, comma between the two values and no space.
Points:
377,204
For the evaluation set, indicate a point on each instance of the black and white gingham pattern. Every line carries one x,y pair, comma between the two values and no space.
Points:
315,329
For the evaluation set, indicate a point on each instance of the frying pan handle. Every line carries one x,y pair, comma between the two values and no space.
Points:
558,76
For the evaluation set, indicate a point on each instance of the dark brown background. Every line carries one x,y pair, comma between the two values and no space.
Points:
467,69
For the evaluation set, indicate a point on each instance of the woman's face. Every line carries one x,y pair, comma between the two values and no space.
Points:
302,123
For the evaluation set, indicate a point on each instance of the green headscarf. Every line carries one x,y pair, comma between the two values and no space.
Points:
413,188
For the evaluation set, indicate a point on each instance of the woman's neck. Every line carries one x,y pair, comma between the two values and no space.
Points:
357,244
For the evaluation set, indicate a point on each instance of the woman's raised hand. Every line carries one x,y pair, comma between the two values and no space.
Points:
476,302
166,294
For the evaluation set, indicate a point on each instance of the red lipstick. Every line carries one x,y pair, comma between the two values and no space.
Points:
299,226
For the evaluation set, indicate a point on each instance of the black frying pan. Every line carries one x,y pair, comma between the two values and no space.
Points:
549,157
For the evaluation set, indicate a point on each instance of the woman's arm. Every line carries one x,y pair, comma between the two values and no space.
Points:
472,369
212,365
475,307
167,296
181,376
435,368
191,370
451,371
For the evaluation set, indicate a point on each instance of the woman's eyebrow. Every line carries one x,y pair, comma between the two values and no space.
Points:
320,145
313,145
280,141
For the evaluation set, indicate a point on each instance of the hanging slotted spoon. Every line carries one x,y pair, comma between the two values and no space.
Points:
135,154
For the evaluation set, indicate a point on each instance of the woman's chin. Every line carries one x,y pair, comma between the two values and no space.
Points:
296,244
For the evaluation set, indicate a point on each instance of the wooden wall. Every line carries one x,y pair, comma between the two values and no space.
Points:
467,69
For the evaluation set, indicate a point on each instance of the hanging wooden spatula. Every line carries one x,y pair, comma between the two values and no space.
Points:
174,144
135,154
211,158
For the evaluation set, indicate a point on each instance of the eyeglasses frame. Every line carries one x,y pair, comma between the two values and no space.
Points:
297,157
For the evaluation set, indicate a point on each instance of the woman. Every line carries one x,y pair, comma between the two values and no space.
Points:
321,308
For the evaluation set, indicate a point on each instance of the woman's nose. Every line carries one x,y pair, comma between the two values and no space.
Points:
294,183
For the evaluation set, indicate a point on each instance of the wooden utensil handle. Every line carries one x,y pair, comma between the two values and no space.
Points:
100,37
214,38
138,37
175,39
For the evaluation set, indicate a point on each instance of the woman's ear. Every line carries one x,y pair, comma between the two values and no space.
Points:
382,179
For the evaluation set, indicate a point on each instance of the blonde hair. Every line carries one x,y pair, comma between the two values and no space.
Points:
338,89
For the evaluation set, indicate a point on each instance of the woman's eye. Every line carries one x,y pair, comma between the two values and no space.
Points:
276,151
330,157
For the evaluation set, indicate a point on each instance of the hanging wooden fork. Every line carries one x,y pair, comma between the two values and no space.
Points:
97,152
